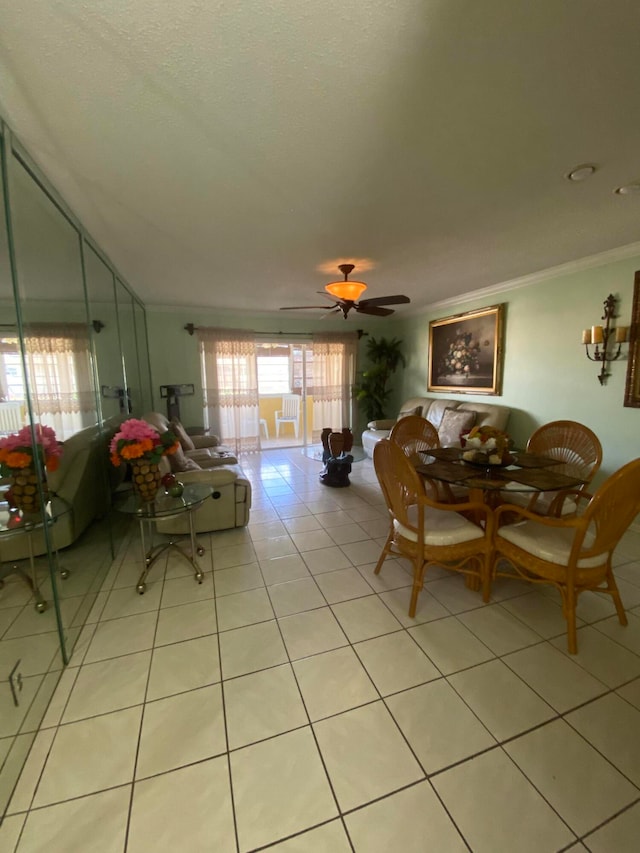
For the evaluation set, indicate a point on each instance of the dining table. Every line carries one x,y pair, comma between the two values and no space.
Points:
490,484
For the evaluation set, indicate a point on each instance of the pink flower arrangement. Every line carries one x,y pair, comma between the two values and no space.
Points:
16,451
137,439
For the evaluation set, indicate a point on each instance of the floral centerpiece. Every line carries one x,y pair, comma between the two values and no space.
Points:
139,444
461,357
485,445
21,464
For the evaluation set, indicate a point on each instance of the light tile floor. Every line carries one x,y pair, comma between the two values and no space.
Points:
288,702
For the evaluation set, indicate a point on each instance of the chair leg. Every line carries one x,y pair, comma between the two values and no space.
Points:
418,579
486,569
570,616
385,553
615,594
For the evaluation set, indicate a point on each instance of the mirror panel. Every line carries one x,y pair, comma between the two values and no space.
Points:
101,295
144,367
29,640
61,368
127,325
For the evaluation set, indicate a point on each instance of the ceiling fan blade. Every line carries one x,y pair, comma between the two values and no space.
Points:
303,307
373,309
384,300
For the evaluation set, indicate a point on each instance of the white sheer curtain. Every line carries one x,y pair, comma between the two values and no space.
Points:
230,385
334,372
59,374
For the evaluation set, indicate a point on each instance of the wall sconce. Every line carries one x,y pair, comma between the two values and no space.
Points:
604,338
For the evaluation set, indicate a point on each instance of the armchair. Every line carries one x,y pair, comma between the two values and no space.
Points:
205,450
572,553
228,506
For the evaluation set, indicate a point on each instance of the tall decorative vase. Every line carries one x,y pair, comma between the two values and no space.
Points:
146,478
24,490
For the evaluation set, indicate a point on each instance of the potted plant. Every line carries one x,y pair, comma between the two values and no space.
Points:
372,392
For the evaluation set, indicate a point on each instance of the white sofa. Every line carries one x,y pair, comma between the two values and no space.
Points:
228,506
433,409
84,481
210,463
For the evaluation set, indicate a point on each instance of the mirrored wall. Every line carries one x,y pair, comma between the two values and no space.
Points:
74,359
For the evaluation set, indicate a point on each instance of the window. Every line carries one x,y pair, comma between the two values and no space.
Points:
273,374
11,381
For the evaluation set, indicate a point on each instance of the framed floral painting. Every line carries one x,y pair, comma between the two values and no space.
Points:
465,352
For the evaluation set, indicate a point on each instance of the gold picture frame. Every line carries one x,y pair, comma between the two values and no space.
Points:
632,387
465,352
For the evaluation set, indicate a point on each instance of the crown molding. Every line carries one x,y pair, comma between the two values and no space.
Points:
589,262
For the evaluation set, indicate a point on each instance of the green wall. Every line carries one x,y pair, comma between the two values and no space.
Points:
546,373
174,353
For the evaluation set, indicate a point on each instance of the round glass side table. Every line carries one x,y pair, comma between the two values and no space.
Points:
164,506
14,523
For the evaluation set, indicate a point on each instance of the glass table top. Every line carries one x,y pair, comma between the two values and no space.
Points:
314,451
164,505
14,522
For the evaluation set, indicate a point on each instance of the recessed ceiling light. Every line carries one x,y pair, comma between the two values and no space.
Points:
628,189
581,173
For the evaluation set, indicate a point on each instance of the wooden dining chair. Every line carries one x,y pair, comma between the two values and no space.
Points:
572,553
579,450
428,532
415,435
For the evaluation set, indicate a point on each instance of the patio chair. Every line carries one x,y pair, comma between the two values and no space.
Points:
289,413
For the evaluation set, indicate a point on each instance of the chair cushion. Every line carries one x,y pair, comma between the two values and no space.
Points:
441,527
548,543
404,413
180,462
181,434
453,423
521,496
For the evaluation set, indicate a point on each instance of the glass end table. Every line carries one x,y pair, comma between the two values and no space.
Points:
15,523
165,506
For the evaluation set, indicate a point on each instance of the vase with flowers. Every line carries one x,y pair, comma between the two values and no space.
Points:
25,456
139,444
486,445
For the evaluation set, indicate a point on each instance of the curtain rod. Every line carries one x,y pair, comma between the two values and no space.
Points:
190,328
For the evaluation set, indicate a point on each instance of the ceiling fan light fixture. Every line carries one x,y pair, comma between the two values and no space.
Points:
347,290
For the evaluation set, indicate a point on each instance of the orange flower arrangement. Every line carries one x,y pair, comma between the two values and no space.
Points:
16,451
137,439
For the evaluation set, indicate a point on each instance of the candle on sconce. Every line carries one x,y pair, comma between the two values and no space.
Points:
621,334
596,335
586,336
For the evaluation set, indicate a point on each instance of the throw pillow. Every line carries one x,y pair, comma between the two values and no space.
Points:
406,412
181,435
453,423
179,462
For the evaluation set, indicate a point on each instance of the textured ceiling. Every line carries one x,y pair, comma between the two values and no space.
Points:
221,151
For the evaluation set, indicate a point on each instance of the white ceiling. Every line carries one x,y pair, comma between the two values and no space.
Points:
220,150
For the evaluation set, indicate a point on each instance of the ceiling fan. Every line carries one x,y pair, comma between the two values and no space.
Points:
346,296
